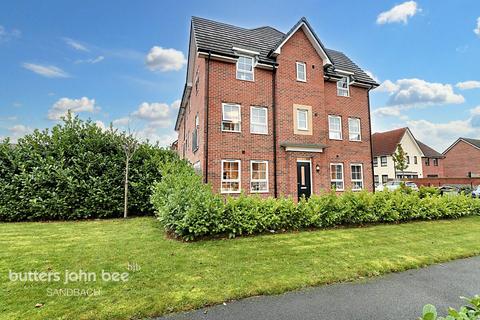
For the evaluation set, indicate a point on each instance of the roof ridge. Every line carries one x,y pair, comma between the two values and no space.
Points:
219,22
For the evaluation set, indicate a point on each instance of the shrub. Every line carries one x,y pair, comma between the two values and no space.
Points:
189,209
74,171
471,312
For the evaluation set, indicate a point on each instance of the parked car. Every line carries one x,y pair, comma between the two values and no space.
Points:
395,184
476,192
450,190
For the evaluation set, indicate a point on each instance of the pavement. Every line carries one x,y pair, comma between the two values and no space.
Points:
397,296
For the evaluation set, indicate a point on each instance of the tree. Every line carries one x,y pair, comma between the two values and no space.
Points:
400,159
130,146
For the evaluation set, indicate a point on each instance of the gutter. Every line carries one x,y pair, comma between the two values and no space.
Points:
370,135
274,84
207,102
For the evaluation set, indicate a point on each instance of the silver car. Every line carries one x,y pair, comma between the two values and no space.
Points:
476,192
395,185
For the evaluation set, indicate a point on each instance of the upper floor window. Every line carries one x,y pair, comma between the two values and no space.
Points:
230,176
435,162
301,71
259,176
408,159
195,134
335,127
231,117
375,161
245,68
383,161
302,119
343,88
415,159
357,176
354,133
427,161
258,120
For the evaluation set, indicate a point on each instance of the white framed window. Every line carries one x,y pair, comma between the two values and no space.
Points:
245,68
197,168
231,176
383,161
335,127
302,119
357,176
375,161
343,87
336,176
258,120
354,130
301,71
258,176
231,117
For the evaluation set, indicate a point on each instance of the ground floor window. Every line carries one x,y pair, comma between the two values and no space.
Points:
197,167
376,179
384,178
357,176
336,176
231,176
259,176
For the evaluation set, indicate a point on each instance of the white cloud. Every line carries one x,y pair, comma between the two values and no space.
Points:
121,122
152,111
477,29
61,107
17,131
7,35
399,13
419,93
101,125
91,61
467,85
46,71
76,45
387,86
389,112
160,59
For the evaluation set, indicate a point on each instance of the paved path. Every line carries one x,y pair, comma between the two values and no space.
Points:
398,296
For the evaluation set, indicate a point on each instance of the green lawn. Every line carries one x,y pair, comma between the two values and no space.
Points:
178,276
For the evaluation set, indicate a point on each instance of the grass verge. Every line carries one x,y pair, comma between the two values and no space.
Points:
177,276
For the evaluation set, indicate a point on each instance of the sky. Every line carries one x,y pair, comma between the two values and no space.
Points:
124,62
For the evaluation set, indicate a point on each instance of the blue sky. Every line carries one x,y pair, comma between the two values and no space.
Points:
124,61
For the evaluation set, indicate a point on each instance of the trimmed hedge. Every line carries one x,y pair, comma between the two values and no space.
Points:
190,210
75,171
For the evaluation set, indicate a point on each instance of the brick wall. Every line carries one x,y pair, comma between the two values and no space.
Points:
437,182
321,96
461,159
431,169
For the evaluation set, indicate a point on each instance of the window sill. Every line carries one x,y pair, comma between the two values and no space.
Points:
260,133
355,140
230,192
246,80
335,139
231,131
266,191
300,80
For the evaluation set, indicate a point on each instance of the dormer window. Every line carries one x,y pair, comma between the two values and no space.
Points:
301,72
245,68
343,87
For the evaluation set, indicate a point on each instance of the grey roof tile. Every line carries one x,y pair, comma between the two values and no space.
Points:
220,38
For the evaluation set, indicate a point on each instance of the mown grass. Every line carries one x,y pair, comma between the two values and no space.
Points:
178,276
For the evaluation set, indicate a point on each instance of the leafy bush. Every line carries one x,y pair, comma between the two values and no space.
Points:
424,191
189,209
74,171
471,312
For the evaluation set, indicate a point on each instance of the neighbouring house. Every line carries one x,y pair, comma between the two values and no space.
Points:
432,162
273,113
462,158
421,159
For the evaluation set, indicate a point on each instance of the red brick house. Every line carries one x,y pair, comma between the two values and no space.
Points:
274,113
462,159
432,162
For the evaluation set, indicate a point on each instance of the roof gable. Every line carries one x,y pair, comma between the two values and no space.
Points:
315,41
428,151
472,142
385,143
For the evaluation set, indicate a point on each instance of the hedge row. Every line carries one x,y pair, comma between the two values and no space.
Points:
188,208
75,171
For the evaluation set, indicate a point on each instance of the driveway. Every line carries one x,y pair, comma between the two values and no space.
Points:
397,296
